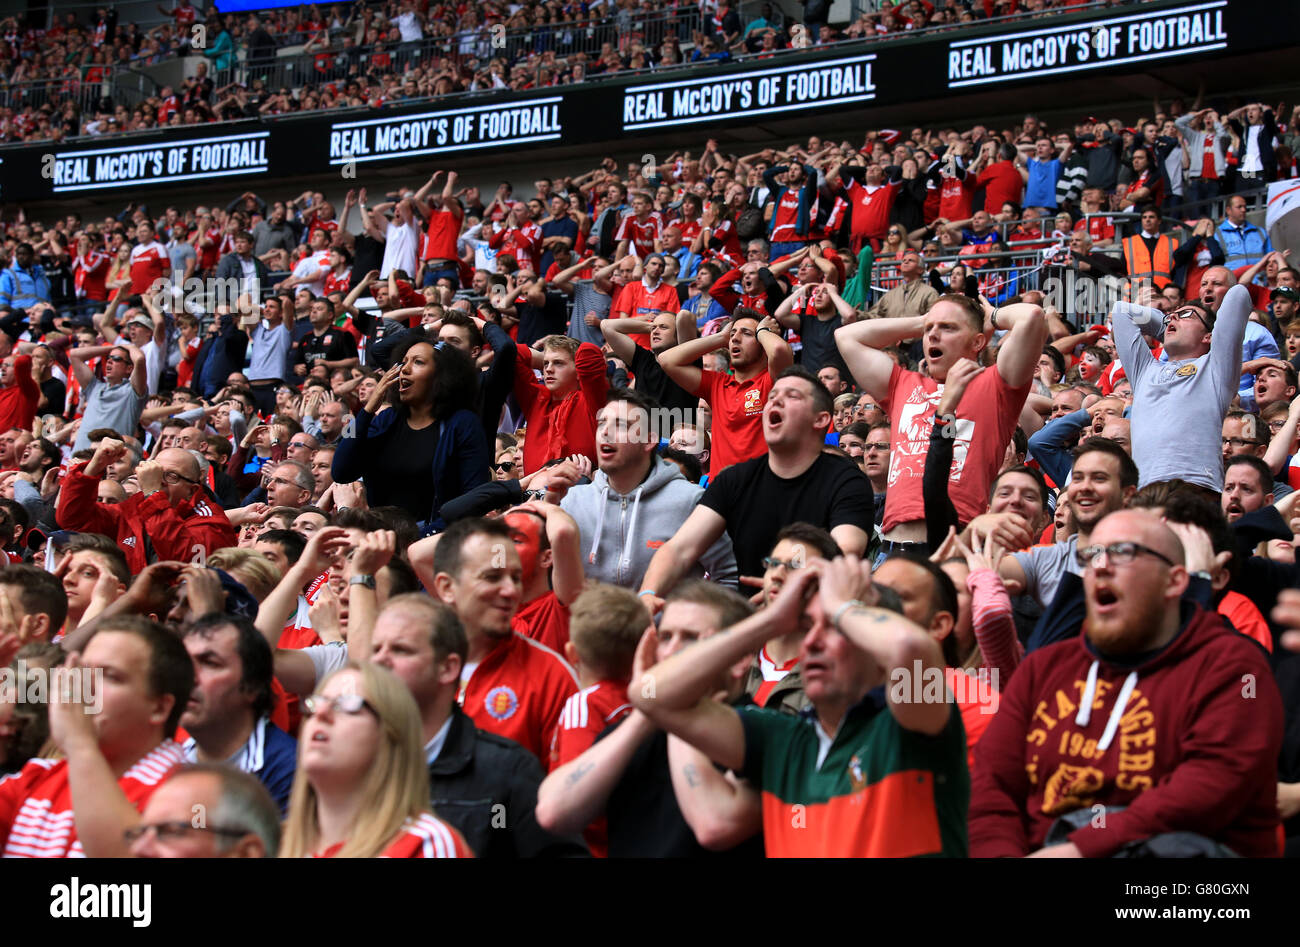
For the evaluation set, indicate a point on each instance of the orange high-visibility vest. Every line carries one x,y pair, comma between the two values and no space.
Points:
1142,264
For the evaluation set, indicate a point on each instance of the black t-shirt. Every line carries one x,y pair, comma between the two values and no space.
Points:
644,818
367,255
819,348
538,322
56,393
405,476
332,345
654,381
757,504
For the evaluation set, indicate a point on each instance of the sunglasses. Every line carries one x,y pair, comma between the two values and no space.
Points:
118,358
505,467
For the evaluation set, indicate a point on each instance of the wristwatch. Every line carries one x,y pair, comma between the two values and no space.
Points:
367,580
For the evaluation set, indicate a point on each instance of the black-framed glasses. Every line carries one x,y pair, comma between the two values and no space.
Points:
350,704
1184,314
505,467
771,563
174,478
1239,443
174,831
1120,554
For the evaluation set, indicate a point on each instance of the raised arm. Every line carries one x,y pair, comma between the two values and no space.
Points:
862,343
678,362
616,333
1022,346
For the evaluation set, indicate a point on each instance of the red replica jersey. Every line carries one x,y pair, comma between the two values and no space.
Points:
638,302
149,262
544,619
737,417
329,226
89,275
585,715
36,819
956,196
425,836
338,282
1098,227
518,692
208,256
690,230
440,236
641,235
521,243
773,674
726,232
786,216
871,208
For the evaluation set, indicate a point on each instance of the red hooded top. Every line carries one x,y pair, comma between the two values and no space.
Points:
1193,747
568,426
195,527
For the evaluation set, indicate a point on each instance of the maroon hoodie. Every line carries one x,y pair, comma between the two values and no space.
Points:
1186,741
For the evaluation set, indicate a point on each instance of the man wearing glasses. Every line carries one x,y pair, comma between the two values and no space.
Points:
173,514
1141,720
115,401
1179,404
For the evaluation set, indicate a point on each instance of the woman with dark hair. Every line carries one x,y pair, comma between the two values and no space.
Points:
430,447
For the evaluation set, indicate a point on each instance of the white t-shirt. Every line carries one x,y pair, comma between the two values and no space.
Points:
409,25
152,365
317,264
400,244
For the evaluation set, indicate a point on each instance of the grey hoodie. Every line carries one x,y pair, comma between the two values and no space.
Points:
620,534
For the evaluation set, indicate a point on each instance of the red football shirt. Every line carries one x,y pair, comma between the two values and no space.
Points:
440,236
544,619
518,691
641,235
737,417
425,836
1001,182
642,303
36,819
149,262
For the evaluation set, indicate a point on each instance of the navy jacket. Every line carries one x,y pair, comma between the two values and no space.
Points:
460,463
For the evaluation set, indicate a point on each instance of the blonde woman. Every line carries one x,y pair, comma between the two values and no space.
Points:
362,787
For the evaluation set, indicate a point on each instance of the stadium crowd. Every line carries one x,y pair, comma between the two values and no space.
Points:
399,51
412,528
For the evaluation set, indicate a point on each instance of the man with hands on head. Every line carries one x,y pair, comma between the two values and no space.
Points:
759,355
955,328
173,513
879,766
116,401
299,669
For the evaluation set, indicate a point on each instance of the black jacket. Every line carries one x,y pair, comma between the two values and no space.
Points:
496,382
486,786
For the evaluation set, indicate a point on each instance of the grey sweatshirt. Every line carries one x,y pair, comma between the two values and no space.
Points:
1178,407
621,533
